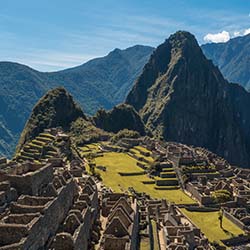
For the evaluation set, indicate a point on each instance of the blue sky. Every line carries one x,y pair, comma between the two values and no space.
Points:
56,34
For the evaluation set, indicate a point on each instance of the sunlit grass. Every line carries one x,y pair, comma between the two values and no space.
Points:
121,162
209,224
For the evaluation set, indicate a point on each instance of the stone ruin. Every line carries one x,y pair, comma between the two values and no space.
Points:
47,206
120,222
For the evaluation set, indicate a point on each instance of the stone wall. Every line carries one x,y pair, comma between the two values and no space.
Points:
52,214
204,200
234,220
32,182
77,227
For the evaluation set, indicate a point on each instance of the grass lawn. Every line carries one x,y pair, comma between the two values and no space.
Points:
121,162
145,244
155,235
209,224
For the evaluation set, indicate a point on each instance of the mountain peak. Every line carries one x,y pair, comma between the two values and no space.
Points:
182,37
55,109
115,51
170,59
121,117
183,97
185,44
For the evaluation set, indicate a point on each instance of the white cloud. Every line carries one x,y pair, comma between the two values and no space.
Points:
49,60
246,32
221,37
236,33
241,32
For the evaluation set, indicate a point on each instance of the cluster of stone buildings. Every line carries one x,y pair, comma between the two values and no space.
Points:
207,174
202,175
50,205
179,232
119,217
50,202
166,227
54,204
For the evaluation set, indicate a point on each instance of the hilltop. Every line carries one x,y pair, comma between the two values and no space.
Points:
181,96
55,109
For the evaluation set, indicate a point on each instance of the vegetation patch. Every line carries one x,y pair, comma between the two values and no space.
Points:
155,235
209,224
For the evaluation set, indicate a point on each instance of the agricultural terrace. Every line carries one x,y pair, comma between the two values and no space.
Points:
209,224
116,163
89,148
136,151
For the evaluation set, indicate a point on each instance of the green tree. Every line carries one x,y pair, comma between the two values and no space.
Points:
220,217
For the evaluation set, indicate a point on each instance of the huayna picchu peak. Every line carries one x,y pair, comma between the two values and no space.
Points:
181,96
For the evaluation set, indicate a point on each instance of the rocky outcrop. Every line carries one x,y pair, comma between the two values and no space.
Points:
121,117
56,109
181,96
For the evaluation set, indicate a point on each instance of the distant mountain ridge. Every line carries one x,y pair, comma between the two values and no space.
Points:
104,82
181,96
101,82
233,59
20,88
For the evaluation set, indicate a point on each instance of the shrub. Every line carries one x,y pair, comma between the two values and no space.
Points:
221,196
125,133
83,132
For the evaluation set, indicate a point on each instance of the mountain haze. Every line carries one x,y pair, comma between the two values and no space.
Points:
181,96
